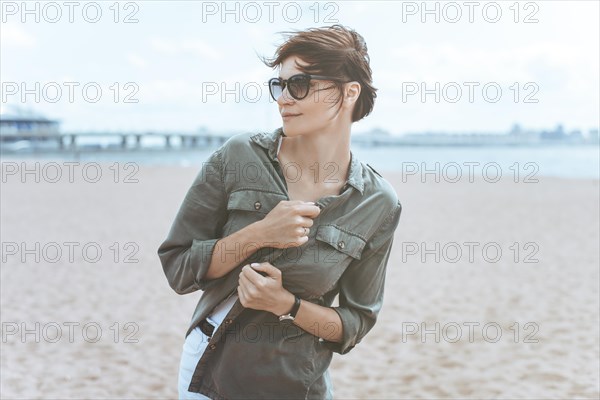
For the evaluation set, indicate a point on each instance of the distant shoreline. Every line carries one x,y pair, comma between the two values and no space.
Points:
519,162
5,148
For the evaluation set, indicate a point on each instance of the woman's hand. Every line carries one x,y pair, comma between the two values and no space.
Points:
288,224
264,292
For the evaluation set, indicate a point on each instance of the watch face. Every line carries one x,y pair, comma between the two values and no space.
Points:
286,317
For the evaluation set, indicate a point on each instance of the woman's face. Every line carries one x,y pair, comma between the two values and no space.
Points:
317,110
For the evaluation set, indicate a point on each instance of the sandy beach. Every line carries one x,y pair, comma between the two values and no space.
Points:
519,324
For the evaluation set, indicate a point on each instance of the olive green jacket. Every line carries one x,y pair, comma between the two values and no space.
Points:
252,354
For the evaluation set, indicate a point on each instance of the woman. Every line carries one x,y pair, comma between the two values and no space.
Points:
276,225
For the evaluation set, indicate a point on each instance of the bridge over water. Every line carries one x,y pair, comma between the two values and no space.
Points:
69,141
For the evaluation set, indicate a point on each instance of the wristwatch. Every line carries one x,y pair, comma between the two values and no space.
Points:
292,314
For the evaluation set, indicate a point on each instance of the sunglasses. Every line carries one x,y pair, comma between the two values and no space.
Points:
297,85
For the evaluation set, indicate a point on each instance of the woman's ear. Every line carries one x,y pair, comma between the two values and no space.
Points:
352,91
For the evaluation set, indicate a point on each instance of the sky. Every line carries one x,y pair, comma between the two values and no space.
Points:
187,65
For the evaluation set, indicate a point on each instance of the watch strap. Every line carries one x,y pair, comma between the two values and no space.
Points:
292,314
296,307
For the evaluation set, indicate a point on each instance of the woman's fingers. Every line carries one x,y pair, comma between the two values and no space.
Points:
302,231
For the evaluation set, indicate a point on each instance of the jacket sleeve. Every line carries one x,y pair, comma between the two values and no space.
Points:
186,253
362,286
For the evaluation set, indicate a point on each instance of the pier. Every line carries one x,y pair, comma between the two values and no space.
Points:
70,141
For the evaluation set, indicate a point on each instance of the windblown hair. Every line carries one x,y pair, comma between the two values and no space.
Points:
332,51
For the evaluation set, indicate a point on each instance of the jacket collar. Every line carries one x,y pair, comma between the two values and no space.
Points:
271,141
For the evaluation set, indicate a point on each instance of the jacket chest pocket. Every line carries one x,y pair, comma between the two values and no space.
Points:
246,206
342,241
315,268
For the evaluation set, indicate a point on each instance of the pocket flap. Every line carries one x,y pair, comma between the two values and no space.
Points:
254,200
345,242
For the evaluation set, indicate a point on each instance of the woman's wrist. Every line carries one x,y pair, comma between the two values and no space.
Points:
285,305
255,237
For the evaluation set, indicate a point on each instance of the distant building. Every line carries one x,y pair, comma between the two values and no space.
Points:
20,123
378,132
593,136
557,134
515,130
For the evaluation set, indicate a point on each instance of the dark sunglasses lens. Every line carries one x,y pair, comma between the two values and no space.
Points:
298,86
275,88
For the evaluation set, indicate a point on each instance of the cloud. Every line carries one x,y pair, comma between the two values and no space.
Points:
16,36
525,62
167,90
186,46
136,60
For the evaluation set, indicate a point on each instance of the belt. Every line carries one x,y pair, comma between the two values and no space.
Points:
206,327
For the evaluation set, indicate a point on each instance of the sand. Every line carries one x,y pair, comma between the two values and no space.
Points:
556,355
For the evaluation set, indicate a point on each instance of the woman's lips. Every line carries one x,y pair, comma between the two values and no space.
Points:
291,116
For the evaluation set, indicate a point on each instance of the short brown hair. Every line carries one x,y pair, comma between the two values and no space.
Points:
333,51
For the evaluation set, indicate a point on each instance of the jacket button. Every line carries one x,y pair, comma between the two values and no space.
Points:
341,244
257,205
213,346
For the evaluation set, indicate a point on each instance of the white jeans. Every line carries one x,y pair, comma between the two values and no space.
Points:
194,347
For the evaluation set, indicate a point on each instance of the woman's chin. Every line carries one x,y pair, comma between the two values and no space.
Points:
290,132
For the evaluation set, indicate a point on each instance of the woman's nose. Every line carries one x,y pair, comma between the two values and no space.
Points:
284,97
